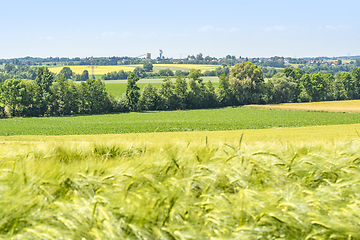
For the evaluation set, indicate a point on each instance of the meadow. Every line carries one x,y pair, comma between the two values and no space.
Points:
173,121
118,87
100,70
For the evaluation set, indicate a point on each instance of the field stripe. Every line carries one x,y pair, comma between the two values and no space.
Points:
346,132
329,106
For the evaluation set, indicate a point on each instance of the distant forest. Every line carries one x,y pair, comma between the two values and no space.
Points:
25,68
50,95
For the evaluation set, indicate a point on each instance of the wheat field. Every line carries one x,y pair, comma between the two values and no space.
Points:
330,106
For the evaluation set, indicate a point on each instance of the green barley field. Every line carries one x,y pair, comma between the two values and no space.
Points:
82,190
231,173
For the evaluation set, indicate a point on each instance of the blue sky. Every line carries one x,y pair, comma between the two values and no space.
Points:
242,28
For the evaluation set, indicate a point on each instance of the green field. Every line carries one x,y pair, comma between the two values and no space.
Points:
174,175
118,87
173,121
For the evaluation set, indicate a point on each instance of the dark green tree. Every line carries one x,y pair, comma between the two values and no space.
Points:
349,84
166,72
44,80
9,67
167,92
356,76
247,82
315,86
199,57
357,62
284,88
148,67
224,91
150,99
196,97
67,72
211,100
93,97
132,92
65,97
19,96
84,75
140,72
181,90
195,75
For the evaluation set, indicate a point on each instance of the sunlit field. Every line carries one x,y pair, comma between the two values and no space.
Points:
133,190
100,70
267,180
332,133
332,106
161,176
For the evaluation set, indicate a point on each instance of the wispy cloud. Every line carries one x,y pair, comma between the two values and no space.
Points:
210,28
337,27
108,34
49,38
125,34
275,28
179,35
234,30
111,35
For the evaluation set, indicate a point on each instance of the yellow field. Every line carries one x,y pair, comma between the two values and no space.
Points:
329,106
100,70
278,135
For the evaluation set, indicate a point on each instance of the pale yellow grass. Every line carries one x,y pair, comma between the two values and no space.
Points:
99,70
329,106
331,133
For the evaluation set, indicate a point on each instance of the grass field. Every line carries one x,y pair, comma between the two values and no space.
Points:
333,106
173,121
100,70
118,87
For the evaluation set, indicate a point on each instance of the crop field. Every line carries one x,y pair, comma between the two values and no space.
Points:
82,190
100,70
333,106
180,175
118,87
330,133
173,121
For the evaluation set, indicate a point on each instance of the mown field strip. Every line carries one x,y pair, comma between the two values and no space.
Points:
346,132
332,106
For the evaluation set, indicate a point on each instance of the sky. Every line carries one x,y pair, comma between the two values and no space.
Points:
107,28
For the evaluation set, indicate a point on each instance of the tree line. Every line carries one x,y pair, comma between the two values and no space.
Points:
244,84
147,72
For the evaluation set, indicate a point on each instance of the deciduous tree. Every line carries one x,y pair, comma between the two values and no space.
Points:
67,72
44,80
247,82
132,92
